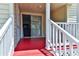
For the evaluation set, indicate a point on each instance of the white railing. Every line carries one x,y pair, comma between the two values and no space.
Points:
61,39
6,38
72,28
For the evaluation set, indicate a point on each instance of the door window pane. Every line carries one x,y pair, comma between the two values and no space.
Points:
36,25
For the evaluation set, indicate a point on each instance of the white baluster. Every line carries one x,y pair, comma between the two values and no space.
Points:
71,29
68,26
62,33
53,36
71,48
67,29
59,43
76,31
56,39
64,41
50,31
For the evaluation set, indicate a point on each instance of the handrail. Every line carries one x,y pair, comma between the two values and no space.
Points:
65,32
60,37
66,23
7,37
4,28
72,28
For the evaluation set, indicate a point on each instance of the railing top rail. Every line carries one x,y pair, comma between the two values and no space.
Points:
66,23
5,27
65,32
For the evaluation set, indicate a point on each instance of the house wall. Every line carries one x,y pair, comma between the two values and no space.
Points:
4,13
17,24
59,14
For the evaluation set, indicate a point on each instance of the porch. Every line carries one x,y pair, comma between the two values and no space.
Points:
48,38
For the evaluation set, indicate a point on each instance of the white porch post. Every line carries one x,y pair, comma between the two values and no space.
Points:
47,25
11,13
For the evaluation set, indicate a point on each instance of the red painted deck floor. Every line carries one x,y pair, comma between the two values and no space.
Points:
31,47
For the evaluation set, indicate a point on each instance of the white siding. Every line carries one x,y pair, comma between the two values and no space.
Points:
4,6
3,16
4,13
72,13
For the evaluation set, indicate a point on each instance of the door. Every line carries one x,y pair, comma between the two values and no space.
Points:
26,25
36,26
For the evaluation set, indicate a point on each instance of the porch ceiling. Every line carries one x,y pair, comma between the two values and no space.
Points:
38,7
32,7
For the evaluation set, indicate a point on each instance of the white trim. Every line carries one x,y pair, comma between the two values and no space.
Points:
30,13
21,27
47,25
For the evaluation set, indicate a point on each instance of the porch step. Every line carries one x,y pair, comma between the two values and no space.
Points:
35,52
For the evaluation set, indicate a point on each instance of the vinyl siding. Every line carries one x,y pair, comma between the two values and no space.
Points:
4,13
72,13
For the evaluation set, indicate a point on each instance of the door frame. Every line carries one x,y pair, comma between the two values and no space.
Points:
30,13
